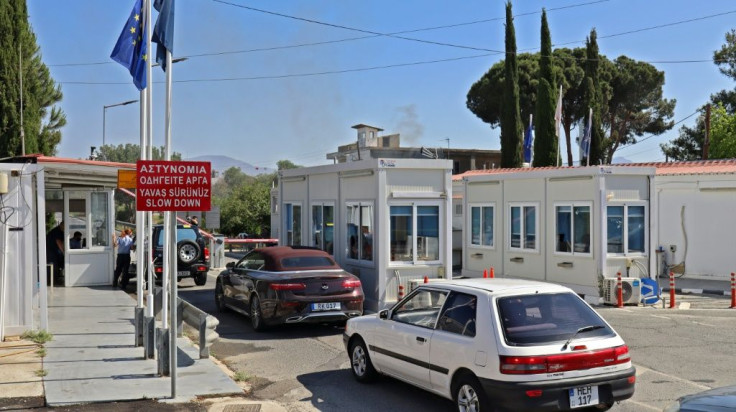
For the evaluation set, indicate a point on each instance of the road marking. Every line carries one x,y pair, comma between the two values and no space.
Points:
643,369
705,324
661,317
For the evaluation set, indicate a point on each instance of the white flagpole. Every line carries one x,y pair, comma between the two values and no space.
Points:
558,119
148,156
171,222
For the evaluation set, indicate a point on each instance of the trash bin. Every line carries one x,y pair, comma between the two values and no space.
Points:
650,291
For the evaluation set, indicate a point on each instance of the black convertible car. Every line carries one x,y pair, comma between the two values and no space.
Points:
284,284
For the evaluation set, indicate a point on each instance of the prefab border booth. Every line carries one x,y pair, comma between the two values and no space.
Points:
385,220
44,190
570,226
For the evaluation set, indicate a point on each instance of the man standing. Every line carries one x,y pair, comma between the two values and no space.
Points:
55,250
123,243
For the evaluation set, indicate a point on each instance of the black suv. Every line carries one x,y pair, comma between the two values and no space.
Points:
192,255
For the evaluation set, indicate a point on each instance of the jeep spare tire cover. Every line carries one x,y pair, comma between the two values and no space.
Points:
187,251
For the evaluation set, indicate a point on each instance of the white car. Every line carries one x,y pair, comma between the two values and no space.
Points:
495,344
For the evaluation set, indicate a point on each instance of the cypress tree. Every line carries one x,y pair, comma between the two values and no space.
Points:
41,119
510,116
545,139
592,97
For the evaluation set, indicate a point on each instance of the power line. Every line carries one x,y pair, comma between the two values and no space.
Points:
653,135
292,46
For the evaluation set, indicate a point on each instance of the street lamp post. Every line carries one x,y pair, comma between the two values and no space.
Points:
104,113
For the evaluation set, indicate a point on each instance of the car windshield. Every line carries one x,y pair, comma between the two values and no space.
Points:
306,261
182,233
547,318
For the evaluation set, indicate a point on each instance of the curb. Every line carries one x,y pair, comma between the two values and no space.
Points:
686,291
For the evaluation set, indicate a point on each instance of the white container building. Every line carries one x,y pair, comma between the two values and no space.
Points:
388,221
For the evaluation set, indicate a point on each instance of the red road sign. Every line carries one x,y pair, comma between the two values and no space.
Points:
167,186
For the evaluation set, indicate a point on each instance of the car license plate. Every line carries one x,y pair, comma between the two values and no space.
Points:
583,396
326,306
183,273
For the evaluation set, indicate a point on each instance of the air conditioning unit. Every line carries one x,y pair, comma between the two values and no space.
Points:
631,291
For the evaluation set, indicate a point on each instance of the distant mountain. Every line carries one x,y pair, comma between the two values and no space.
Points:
222,163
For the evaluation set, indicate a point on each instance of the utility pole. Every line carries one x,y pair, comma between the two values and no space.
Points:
706,143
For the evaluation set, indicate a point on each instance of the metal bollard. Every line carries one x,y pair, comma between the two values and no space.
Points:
672,290
733,290
139,315
149,337
619,291
164,367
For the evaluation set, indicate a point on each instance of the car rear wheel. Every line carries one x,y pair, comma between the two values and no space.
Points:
469,396
360,362
200,279
187,251
256,316
220,298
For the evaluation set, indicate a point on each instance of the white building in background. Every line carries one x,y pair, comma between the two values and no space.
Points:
388,221
640,219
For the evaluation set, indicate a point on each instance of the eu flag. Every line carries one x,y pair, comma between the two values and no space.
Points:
163,31
528,144
131,48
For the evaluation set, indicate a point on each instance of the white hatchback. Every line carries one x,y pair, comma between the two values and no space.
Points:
496,344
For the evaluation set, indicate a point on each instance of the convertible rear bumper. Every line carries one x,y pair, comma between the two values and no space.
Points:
319,317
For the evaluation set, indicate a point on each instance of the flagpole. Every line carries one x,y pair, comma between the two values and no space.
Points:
590,134
148,156
531,158
559,108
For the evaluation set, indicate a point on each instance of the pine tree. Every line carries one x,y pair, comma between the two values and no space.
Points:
593,96
42,121
511,117
545,139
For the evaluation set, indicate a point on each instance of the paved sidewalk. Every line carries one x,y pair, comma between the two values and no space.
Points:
92,357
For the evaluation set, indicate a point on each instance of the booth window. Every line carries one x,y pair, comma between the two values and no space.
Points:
523,233
360,231
293,218
627,231
481,225
99,212
408,245
323,227
572,228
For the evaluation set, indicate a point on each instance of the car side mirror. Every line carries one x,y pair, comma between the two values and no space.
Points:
230,265
383,314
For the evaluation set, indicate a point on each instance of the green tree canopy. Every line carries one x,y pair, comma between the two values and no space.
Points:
286,164
722,133
20,54
130,153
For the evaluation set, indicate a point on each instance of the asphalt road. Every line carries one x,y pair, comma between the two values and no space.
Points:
306,368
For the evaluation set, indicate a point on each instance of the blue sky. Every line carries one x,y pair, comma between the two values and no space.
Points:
301,118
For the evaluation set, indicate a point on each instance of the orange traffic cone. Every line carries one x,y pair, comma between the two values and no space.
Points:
493,273
485,273
426,279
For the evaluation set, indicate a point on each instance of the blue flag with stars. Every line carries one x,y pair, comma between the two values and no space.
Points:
131,49
163,31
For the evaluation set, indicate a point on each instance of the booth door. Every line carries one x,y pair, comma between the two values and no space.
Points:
89,259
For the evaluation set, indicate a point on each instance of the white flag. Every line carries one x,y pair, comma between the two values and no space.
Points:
558,114
558,120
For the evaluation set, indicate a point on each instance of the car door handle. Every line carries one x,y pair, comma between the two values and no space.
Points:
421,339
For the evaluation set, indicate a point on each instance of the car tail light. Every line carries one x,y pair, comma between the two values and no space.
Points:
526,365
288,286
201,268
351,283
206,254
159,270
534,393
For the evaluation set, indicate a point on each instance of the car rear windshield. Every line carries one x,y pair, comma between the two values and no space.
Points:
547,318
182,233
306,261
